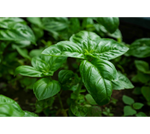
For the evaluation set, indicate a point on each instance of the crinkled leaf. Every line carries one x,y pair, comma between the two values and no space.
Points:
128,110
122,83
17,32
87,43
140,48
110,23
142,66
127,100
138,105
97,77
146,92
46,88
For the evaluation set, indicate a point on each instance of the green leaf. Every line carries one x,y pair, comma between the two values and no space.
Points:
29,114
23,52
97,77
128,110
122,83
138,105
65,75
144,78
46,88
35,52
140,114
28,71
17,32
36,21
79,110
135,78
110,23
90,99
87,43
9,107
127,100
94,111
2,48
55,24
142,66
137,90
140,48
146,92
117,34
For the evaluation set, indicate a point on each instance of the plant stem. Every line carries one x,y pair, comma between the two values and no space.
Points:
60,101
79,88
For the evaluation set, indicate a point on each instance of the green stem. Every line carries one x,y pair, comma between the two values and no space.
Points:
60,101
77,92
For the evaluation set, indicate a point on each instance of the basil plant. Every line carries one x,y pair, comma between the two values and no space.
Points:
98,75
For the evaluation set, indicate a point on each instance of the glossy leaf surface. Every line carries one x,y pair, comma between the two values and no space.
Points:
122,83
140,48
90,99
110,23
97,77
87,43
16,32
46,88
9,107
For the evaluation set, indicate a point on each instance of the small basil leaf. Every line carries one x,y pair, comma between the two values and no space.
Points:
138,105
94,111
144,78
28,71
127,100
46,88
137,90
90,99
128,110
29,114
141,114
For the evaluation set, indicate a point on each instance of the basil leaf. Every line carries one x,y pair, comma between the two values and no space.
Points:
29,114
127,100
87,43
65,75
28,71
138,105
36,21
97,77
46,88
122,83
146,92
128,110
140,48
144,78
2,48
17,32
110,23
9,107
141,114
35,52
90,99
142,66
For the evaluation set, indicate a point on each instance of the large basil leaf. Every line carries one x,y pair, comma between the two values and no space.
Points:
46,88
142,66
110,23
9,107
16,32
140,48
97,77
42,66
122,83
87,43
